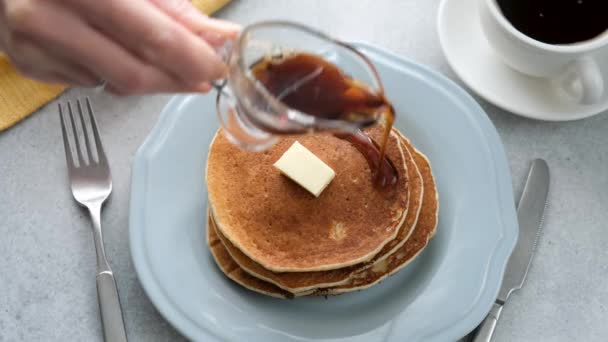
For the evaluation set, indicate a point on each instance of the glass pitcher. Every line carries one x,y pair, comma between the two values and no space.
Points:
251,117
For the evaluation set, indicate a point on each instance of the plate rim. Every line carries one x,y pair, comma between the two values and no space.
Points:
534,115
494,270
144,274
498,260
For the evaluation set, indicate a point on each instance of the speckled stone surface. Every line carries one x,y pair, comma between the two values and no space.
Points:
47,268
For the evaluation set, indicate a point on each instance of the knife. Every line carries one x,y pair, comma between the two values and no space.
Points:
530,213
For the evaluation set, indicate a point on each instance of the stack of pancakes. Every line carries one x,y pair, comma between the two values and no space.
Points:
271,236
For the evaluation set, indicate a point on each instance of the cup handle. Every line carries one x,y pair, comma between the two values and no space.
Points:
582,81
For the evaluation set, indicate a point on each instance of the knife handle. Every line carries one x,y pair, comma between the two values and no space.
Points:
486,328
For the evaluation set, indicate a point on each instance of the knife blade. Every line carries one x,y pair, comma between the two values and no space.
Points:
530,213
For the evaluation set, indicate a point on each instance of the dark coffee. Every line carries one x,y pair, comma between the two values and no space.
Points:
312,85
557,21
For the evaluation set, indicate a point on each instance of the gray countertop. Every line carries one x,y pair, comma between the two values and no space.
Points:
47,287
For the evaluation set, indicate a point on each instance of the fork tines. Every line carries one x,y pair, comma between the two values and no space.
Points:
84,157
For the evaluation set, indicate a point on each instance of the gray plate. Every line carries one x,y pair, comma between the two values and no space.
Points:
441,296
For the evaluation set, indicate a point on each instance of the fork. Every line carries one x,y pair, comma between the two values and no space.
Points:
91,184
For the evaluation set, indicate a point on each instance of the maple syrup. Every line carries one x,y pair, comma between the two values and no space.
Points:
312,85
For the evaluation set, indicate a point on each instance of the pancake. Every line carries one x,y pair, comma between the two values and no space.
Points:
425,229
282,227
234,272
303,281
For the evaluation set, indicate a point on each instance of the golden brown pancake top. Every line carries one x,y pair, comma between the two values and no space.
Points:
281,226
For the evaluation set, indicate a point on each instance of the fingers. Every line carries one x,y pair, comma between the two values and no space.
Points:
139,49
104,58
200,88
53,78
39,64
214,31
155,37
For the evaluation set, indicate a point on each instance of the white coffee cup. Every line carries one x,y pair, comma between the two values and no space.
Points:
571,68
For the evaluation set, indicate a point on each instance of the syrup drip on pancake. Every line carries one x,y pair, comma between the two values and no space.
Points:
314,86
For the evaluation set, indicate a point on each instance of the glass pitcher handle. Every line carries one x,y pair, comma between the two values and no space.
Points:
224,52
237,127
234,122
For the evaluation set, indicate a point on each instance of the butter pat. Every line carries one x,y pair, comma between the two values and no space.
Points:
306,169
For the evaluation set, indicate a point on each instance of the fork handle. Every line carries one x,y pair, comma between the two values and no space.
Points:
109,307
107,293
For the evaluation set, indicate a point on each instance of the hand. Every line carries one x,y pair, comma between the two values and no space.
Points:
136,46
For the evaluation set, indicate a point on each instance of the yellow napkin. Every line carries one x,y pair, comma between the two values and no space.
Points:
19,96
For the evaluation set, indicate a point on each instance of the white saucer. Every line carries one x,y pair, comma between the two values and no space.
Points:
470,56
